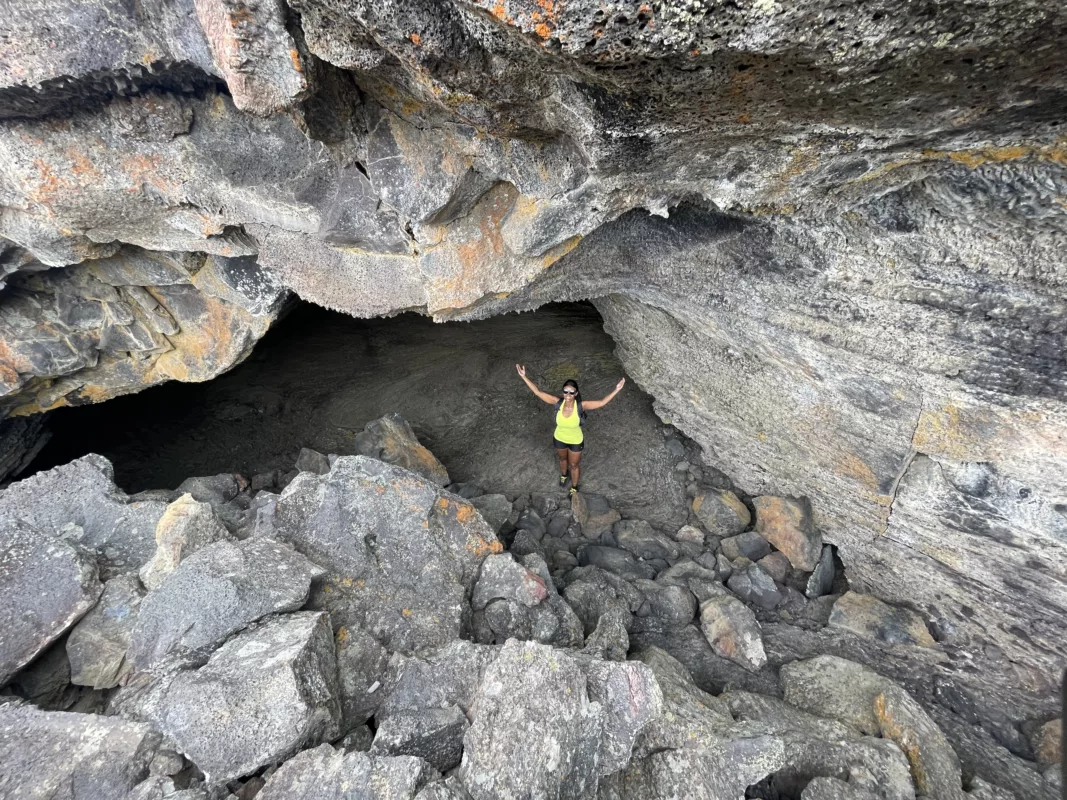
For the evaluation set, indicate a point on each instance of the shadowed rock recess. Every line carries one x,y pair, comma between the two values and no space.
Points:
828,238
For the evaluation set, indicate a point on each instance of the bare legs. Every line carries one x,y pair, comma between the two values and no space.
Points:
562,455
572,461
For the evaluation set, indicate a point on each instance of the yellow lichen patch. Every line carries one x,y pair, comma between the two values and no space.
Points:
943,431
855,467
415,39
556,253
406,612
480,547
342,636
465,513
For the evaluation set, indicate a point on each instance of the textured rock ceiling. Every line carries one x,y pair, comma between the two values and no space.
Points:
828,237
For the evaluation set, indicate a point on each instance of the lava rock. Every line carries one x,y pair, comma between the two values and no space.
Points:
215,490
495,509
501,578
721,512
637,536
185,527
593,514
610,641
594,591
732,631
749,545
821,580
54,754
374,526
935,768
216,592
97,645
361,667
702,582
786,523
507,619
46,585
867,616
755,586
434,735
837,688
261,697
439,678
617,561
326,774
1048,743
834,789
390,439
776,565
691,534
310,460
117,528
670,607
531,522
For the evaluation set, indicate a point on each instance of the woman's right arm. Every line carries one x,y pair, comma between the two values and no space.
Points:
543,395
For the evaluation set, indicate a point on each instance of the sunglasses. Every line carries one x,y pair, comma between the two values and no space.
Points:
569,391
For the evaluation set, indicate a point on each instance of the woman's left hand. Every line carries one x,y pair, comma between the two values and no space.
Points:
619,385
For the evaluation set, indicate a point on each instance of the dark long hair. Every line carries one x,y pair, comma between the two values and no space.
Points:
577,392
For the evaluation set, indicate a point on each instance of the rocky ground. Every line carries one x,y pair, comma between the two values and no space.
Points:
364,626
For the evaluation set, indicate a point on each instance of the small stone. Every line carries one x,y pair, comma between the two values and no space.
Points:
786,523
776,565
867,616
46,585
391,439
754,585
610,641
215,490
1048,743
264,481
721,512
186,526
821,581
166,762
357,740
675,448
723,567
617,561
434,735
749,545
732,631
593,514
97,645
312,461
689,533
681,466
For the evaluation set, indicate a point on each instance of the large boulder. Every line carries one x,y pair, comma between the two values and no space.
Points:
46,755
787,523
867,616
732,631
119,529
97,645
216,592
262,696
390,439
327,774
46,585
185,527
721,512
402,554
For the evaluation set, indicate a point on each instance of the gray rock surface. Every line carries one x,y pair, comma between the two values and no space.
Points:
326,774
82,493
821,580
391,439
749,544
637,536
721,512
310,460
361,667
753,585
869,617
261,697
46,585
434,735
494,508
501,578
732,631
185,527
216,592
402,554
50,754
97,645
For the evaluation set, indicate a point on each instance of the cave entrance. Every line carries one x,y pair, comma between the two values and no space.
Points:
318,377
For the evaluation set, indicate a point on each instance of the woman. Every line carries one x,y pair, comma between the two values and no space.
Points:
568,439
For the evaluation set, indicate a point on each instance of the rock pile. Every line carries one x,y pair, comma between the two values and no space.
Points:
364,632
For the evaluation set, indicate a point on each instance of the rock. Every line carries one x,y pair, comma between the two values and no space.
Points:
1048,743
508,619
52,754
834,789
448,789
637,536
749,545
361,667
595,591
215,490
821,581
437,678
373,526
312,461
630,699
776,565
97,645
261,697
166,762
867,616
185,527
326,774
495,509
616,561
264,481
786,523
732,631
531,522
357,740
434,735
593,514
610,640
687,533
755,586
935,768
702,582
723,567
390,439
83,493
46,585
524,544
670,607
836,688
501,578
216,592
721,512
46,680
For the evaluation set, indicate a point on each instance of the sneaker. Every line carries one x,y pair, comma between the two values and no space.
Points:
562,480
573,491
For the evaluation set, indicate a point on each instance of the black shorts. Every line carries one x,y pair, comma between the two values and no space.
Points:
574,448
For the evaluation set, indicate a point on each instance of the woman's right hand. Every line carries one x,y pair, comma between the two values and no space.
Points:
521,370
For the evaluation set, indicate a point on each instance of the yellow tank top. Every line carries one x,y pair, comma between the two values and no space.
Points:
568,429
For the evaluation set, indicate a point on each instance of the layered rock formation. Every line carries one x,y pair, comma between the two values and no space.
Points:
850,287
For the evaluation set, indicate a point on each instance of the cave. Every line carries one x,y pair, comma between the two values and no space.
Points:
265,273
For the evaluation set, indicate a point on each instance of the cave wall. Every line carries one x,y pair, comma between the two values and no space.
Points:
827,237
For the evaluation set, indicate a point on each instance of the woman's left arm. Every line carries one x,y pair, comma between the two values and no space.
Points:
592,405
